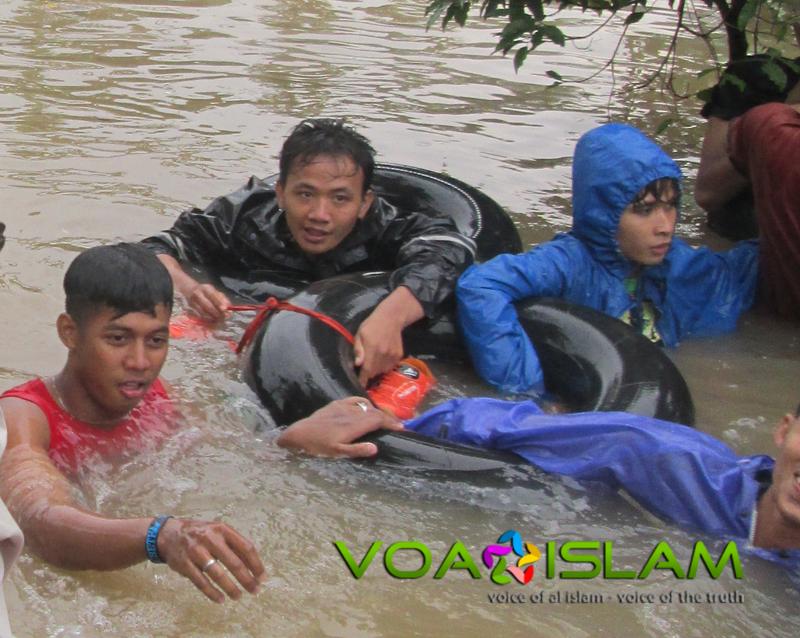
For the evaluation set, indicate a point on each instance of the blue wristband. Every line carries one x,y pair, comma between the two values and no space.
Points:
151,539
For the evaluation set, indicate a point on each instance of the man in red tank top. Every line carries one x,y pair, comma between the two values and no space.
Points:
109,401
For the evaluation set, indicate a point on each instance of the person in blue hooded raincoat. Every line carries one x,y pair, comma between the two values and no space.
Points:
673,471
620,258
676,472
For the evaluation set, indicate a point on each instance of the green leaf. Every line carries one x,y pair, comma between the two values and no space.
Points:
512,33
793,65
554,34
730,78
456,11
705,94
506,43
519,57
434,11
634,17
554,74
776,75
448,16
663,125
525,24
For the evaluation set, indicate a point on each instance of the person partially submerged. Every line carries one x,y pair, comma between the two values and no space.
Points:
108,401
748,180
322,219
620,257
676,472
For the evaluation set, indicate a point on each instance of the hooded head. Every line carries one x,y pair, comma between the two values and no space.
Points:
612,163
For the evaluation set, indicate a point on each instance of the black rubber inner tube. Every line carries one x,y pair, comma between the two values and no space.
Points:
594,362
475,214
298,365
295,368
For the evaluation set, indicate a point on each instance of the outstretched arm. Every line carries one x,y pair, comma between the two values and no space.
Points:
672,470
69,536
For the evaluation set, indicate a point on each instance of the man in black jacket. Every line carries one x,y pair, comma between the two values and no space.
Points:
320,220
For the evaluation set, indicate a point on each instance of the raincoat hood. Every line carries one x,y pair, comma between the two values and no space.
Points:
612,163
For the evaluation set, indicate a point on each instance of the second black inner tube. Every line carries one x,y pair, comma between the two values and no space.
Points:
590,360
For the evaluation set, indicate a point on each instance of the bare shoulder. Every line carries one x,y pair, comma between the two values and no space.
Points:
25,423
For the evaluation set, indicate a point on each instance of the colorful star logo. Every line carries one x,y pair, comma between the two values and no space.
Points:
528,554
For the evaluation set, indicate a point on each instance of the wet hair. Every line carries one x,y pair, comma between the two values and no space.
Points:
123,277
326,136
658,188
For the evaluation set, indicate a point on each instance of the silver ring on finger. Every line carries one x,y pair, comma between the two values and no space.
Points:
208,564
363,405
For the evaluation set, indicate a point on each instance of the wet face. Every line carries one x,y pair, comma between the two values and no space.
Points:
646,227
786,475
116,358
323,200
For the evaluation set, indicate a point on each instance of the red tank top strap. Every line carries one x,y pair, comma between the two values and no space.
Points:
36,392
73,441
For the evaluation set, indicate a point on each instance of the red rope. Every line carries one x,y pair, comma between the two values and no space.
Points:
273,305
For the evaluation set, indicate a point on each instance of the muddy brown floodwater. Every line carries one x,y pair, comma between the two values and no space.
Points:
116,115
